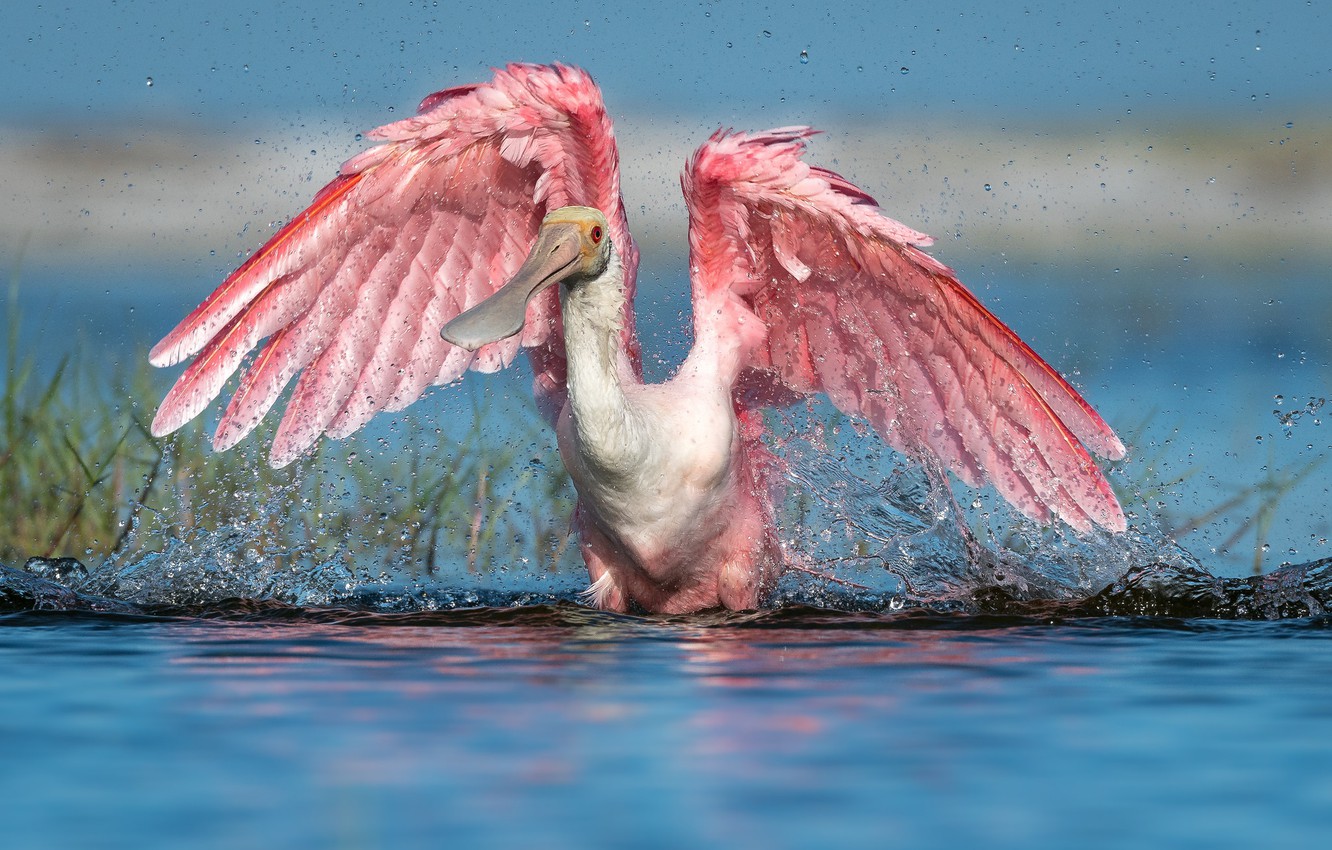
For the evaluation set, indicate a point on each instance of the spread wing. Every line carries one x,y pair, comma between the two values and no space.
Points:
352,293
834,297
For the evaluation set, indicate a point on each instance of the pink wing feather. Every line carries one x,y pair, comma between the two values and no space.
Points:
352,293
850,306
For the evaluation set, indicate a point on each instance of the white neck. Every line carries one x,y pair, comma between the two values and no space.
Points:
606,425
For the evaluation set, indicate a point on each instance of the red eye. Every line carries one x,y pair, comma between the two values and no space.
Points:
596,234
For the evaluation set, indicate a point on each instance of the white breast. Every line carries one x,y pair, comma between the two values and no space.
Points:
658,496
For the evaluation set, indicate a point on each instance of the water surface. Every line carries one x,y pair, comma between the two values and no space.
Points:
554,726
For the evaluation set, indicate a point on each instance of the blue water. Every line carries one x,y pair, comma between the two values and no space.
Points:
558,727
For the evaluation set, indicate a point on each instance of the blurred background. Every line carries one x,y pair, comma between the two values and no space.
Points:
1144,193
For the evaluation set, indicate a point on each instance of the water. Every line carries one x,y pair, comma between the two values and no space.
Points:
1172,708
554,726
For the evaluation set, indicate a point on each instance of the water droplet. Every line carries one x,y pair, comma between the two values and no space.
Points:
987,187
150,82
1290,124
905,70
804,57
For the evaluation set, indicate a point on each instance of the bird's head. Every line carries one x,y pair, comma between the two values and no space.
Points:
572,247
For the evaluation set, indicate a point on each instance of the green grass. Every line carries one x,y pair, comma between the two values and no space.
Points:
82,477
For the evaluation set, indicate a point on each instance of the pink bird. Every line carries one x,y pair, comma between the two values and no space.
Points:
469,214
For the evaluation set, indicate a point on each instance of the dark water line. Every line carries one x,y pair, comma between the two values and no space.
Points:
1155,596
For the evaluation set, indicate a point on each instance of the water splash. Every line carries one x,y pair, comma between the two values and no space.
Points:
1155,595
866,530
864,516
871,534
406,504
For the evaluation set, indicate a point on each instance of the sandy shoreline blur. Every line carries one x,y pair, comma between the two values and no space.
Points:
1138,196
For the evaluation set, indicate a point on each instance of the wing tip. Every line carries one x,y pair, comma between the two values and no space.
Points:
179,344
161,355
1118,522
1083,518
1108,515
164,422
285,452
1100,506
183,402
228,435
1115,448
1106,512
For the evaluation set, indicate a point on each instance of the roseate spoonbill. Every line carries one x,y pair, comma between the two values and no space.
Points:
467,216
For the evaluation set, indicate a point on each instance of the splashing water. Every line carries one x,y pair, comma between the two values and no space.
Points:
864,516
863,527
252,554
